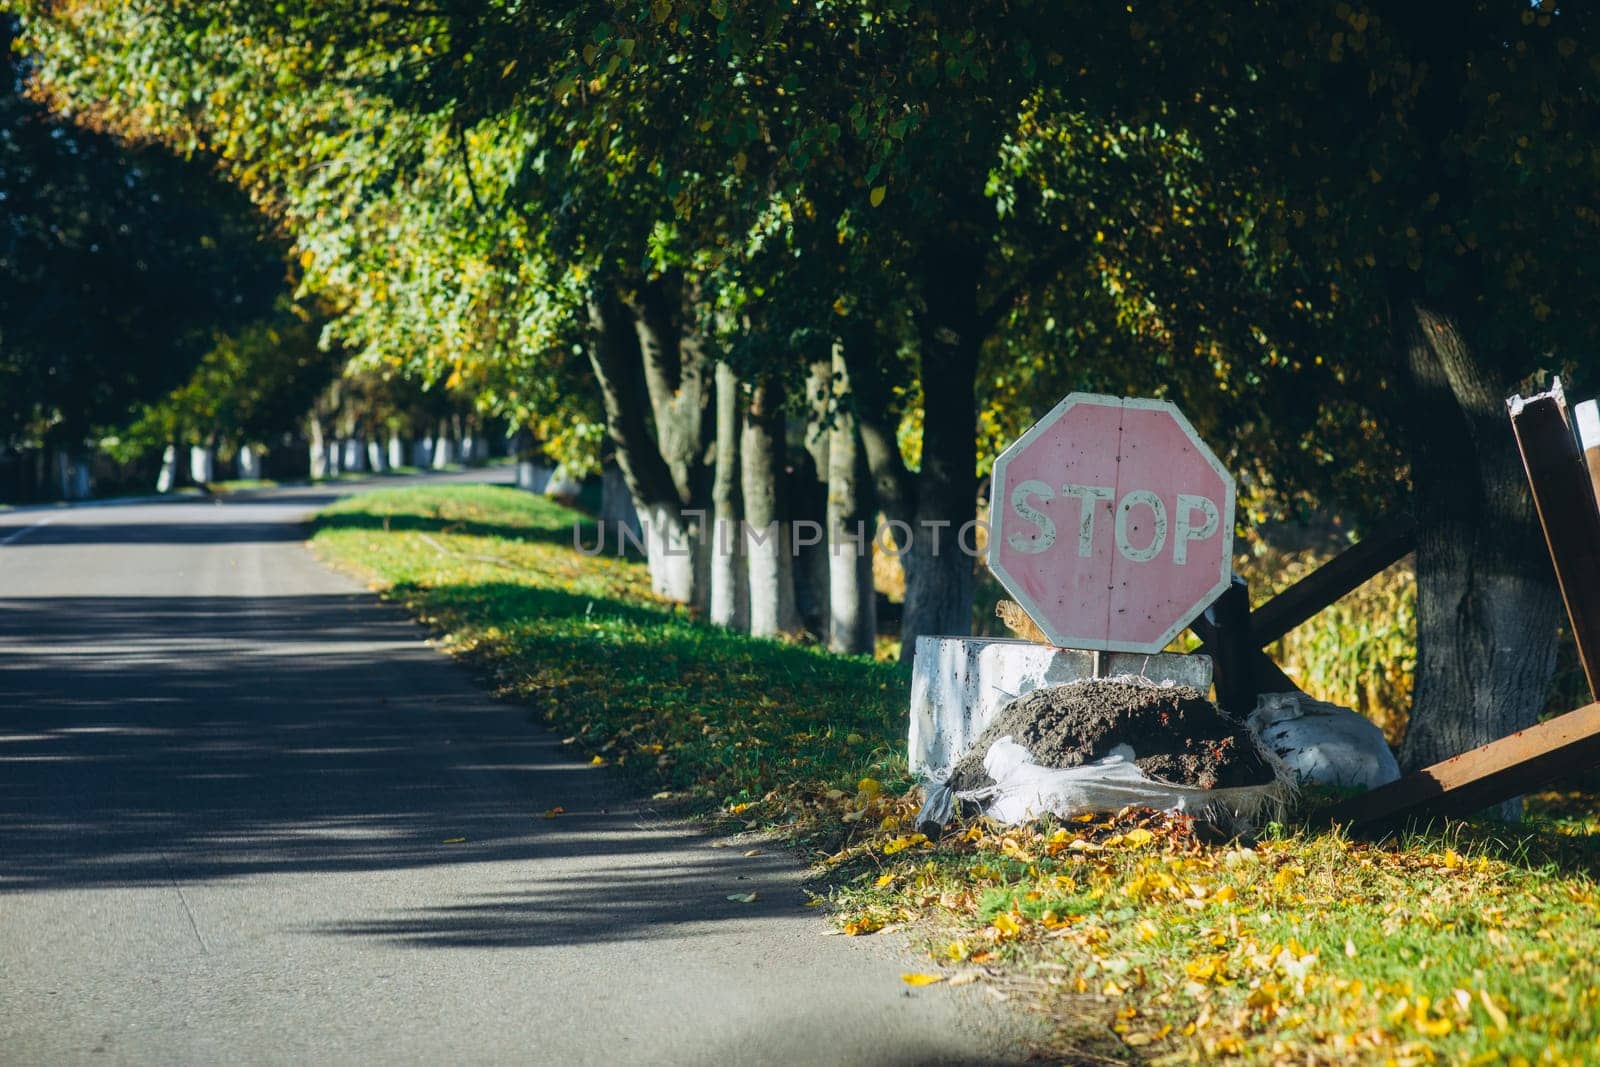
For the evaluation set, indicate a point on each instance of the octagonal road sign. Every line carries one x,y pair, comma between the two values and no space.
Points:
1111,523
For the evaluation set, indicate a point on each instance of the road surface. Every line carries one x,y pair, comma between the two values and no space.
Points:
248,815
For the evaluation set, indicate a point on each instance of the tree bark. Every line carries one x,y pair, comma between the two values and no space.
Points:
768,544
1487,603
660,495
729,594
877,421
318,447
852,601
939,575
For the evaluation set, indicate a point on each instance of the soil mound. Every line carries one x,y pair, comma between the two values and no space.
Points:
1177,735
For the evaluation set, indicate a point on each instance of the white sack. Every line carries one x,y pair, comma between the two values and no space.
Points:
1323,744
1024,790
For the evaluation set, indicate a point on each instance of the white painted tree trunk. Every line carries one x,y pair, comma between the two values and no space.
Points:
72,475
533,477
852,601
202,464
355,458
317,448
376,461
444,452
562,485
167,480
729,596
397,452
249,463
769,562
422,453
670,552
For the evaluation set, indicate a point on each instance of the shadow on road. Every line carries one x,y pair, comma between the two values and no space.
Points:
147,740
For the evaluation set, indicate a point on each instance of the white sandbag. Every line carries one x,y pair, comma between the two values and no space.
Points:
1323,744
1024,790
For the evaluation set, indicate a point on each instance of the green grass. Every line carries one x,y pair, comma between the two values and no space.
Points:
1473,944
683,707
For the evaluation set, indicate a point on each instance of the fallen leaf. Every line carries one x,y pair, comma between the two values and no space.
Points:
1138,837
921,979
598,761
1499,1017
455,840
553,812
743,898
965,978
752,852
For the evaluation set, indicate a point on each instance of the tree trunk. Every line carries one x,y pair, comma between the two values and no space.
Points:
852,601
939,575
768,544
168,479
679,379
1487,603
729,596
615,356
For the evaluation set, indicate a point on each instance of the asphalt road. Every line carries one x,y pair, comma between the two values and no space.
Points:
230,780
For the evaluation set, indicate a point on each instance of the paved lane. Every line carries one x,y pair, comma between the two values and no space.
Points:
228,778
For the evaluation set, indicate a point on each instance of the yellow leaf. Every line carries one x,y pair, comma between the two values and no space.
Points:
551,813
752,852
876,196
455,840
598,761
900,844
1138,837
921,979
869,788
883,880
1499,1017
1008,926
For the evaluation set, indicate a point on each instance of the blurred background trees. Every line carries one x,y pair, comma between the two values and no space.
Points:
769,262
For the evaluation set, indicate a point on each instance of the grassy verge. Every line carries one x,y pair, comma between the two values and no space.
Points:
1469,945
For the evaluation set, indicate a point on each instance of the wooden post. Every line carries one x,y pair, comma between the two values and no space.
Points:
1485,775
1588,419
1564,496
1347,571
1225,627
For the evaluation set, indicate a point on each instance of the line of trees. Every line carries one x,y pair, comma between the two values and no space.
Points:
754,248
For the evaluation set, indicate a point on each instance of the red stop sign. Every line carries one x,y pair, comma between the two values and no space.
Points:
1111,523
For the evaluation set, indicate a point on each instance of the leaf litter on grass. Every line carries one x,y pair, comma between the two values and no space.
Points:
1470,944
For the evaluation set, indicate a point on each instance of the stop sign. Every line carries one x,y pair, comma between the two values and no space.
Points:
1111,523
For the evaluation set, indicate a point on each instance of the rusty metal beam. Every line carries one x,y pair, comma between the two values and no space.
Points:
1474,780
1564,497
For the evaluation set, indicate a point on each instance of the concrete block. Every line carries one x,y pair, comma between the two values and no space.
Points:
959,684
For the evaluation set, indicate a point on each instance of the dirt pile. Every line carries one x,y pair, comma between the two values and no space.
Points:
1177,735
